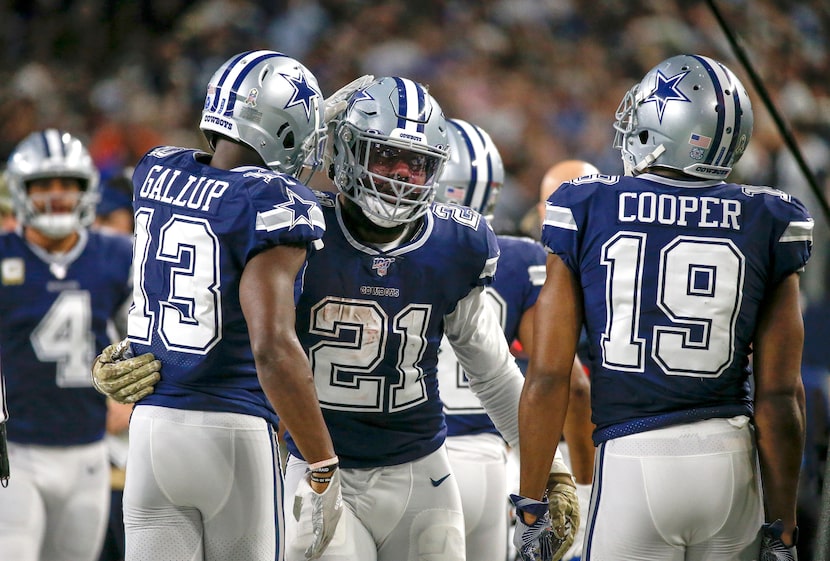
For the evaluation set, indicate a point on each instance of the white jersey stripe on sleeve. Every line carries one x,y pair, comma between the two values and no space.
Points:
801,231
559,217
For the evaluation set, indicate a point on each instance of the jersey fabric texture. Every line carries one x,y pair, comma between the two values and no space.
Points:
673,275
55,312
372,322
201,225
518,280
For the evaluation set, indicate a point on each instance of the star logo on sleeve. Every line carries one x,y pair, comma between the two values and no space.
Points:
303,93
289,214
666,91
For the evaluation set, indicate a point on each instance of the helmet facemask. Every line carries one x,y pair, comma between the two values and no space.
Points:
40,214
386,161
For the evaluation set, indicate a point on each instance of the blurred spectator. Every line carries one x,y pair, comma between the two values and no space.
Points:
115,209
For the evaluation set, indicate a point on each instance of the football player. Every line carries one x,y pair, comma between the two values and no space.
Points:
473,177
62,287
395,274
220,249
678,277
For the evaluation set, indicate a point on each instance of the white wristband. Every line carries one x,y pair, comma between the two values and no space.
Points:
324,463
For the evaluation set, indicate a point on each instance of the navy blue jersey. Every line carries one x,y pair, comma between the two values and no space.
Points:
196,229
55,312
520,275
371,322
673,274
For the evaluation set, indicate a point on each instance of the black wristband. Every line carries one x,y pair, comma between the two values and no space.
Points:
322,474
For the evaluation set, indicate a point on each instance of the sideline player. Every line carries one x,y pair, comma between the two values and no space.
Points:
689,277
62,288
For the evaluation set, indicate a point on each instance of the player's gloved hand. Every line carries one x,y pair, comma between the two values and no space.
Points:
772,547
534,542
326,508
339,100
583,493
563,504
123,377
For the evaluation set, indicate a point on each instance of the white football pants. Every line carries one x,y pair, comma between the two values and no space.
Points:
683,493
201,486
57,503
407,512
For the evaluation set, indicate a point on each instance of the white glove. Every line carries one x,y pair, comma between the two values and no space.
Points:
124,378
534,542
563,504
339,100
326,508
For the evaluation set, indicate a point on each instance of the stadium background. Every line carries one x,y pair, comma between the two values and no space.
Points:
544,77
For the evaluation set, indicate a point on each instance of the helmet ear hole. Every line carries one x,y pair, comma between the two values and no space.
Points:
643,136
288,141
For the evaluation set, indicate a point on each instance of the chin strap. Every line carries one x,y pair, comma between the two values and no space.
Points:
648,160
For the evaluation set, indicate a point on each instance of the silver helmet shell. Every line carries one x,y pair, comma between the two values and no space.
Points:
474,173
395,114
690,114
270,102
47,154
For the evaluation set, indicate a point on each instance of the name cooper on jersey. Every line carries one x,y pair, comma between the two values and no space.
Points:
674,210
166,186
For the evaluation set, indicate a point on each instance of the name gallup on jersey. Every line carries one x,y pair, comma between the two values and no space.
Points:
167,186
679,210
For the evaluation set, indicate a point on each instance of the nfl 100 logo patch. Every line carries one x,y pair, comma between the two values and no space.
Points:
381,265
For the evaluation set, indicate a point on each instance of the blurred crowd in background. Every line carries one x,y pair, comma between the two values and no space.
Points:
544,77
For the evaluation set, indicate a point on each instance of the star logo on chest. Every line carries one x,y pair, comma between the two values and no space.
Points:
666,91
302,95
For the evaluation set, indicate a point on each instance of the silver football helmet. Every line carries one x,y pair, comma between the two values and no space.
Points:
270,102
390,145
474,174
47,154
690,113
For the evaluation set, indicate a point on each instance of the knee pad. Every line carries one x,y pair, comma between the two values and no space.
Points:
438,535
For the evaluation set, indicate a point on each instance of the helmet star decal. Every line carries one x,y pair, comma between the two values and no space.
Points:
292,212
666,91
303,93
359,95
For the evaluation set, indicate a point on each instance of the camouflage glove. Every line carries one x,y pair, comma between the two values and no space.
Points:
563,505
124,378
337,102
